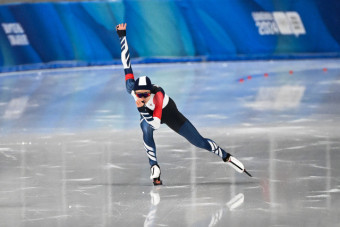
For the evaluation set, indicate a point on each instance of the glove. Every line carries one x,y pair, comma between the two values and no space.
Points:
155,122
121,33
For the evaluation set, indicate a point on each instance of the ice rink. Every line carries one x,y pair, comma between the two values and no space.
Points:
71,149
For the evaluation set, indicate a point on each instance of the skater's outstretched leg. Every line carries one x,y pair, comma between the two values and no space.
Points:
180,124
194,137
189,132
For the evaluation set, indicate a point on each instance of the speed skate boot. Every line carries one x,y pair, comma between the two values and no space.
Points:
236,164
156,175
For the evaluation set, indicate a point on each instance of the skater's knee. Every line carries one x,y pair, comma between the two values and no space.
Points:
146,128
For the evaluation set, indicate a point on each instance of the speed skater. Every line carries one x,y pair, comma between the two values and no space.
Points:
156,108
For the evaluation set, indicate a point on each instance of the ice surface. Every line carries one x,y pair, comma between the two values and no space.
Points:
71,151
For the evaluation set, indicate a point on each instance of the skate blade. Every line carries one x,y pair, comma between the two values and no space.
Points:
157,182
247,173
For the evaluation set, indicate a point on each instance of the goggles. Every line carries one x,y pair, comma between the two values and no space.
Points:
141,95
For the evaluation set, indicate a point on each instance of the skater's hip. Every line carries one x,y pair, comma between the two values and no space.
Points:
172,117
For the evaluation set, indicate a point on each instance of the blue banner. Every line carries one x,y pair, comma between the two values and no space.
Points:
45,35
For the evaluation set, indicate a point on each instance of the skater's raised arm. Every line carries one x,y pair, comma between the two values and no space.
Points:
125,57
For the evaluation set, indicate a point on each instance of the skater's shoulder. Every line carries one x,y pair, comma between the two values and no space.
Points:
155,88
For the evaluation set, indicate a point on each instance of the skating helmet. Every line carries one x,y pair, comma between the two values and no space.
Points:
142,83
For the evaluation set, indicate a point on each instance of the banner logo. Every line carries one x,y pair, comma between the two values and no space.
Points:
279,23
15,34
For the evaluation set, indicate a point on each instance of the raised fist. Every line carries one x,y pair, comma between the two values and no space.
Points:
121,30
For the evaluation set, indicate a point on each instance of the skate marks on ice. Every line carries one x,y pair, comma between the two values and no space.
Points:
88,179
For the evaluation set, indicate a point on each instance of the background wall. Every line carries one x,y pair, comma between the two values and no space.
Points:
37,1
62,34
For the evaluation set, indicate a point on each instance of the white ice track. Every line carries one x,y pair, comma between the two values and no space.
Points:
71,151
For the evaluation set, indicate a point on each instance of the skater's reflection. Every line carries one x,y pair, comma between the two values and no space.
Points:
155,199
216,217
233,203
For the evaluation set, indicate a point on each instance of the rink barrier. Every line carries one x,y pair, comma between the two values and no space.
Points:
71,64
71,34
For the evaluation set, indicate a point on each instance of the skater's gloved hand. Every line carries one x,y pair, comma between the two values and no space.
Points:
121,30
140,102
